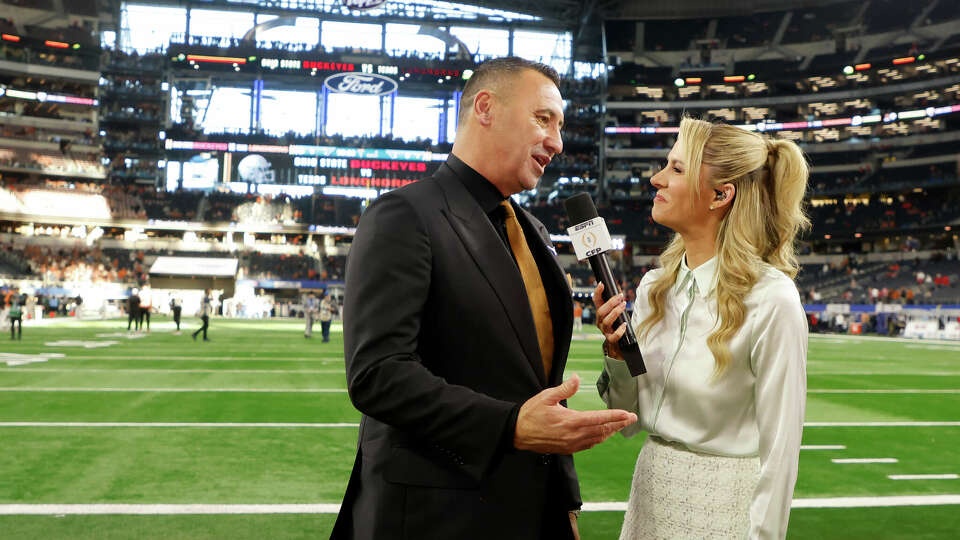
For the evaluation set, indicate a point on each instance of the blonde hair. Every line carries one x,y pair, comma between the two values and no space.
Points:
764,218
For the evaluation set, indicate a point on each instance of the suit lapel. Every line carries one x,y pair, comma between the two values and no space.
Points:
495,263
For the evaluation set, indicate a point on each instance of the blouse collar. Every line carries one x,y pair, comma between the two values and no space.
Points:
704,275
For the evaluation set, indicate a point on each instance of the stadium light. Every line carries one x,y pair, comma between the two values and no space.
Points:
10,37
751,77
904,60
922,57
734,78
678,81
76,46
848,70
56,44
861,67
467,73
694,80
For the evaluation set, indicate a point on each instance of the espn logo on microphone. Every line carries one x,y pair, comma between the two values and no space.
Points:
590,238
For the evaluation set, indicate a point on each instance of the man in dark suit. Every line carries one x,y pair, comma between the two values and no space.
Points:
457,323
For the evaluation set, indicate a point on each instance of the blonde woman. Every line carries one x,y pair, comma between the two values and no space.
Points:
724,336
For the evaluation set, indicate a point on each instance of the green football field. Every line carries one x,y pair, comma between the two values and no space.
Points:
178,433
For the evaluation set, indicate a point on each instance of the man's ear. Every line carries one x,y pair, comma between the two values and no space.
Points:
483,107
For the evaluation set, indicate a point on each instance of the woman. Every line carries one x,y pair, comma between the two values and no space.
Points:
724,337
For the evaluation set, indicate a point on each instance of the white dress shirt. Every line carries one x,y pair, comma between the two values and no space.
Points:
755,409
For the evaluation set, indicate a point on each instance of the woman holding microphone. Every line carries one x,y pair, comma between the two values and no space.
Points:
724,337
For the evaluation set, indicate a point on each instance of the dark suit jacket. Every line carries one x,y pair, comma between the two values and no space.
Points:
440,349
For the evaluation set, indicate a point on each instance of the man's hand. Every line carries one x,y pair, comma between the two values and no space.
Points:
546,427
573,525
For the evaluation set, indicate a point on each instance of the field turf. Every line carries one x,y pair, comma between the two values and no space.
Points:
161,419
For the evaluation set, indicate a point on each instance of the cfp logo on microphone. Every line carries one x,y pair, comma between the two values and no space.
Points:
590,238
589,241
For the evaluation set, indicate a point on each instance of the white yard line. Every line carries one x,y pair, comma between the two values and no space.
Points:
923,476
844,461
217,509
181,424
843,337
823,447
149,358
231,390
870,502
884,373
883,391
341,425
881,424
159,370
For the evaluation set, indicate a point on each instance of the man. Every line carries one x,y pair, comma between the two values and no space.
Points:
133,310
309,314
457,323
146,305
327,309
176,306
206,309
15,314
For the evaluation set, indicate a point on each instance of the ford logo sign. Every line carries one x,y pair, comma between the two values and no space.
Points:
366,84
362,4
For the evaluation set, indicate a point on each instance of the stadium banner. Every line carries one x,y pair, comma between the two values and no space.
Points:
362,84
308,150
261,168
194,266
288,283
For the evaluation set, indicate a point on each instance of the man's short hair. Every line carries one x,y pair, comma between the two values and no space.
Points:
492,72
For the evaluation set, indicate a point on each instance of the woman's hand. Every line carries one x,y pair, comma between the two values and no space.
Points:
607,314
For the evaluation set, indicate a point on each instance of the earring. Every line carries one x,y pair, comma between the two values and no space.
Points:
712,207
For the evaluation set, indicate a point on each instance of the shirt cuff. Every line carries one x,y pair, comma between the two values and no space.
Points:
617,369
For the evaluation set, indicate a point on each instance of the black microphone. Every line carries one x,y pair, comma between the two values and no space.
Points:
591,241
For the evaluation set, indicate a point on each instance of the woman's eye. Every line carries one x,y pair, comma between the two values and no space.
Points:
677,170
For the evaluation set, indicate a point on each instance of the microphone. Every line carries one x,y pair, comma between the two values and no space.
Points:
591,241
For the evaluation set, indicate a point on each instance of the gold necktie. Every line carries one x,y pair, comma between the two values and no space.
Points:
536,294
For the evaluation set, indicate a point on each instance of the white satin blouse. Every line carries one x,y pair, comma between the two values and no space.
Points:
755,409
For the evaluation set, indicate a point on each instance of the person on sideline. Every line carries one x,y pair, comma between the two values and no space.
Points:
15,314
577,317
133,310
724,336
146,304
206,308
176,307
327,309
457,322
309,314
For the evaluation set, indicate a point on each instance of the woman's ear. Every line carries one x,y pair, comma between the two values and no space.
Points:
724,195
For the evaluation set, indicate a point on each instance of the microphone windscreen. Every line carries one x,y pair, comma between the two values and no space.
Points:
580,208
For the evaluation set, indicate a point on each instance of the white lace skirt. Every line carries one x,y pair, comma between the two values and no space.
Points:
678,493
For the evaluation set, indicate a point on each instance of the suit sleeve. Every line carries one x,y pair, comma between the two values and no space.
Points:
387,285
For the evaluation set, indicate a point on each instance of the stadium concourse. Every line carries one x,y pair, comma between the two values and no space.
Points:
161,148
